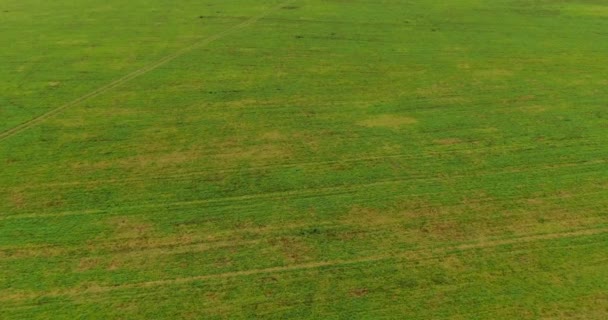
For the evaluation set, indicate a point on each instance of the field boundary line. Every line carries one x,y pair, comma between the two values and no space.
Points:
418,254
134,74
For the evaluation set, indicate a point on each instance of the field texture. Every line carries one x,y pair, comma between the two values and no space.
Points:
213,159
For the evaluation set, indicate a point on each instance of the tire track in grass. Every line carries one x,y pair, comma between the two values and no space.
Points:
416,254
301,193
222,239
134,243
126,78
312,164
274,195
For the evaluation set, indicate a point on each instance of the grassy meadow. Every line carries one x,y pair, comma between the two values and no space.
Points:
308,159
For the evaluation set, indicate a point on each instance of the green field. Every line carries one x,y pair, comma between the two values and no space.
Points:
327,159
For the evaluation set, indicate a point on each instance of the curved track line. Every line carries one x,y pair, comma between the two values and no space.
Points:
37,120
417,254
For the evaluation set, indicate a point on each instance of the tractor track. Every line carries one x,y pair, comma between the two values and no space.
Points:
410,255
126,78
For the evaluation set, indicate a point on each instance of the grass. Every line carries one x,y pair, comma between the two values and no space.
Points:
323,159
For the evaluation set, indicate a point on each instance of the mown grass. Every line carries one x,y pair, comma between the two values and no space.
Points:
334,159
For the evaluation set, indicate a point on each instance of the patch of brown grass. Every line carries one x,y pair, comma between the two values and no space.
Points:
448,141
464,66
130,227
86,264
114,265
388,121
435,90
359,292
443,230
156,160
17,199
294,250
363,216
590,306
273,136
162,159
256,153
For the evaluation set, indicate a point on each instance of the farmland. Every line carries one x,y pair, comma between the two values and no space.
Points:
325,159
